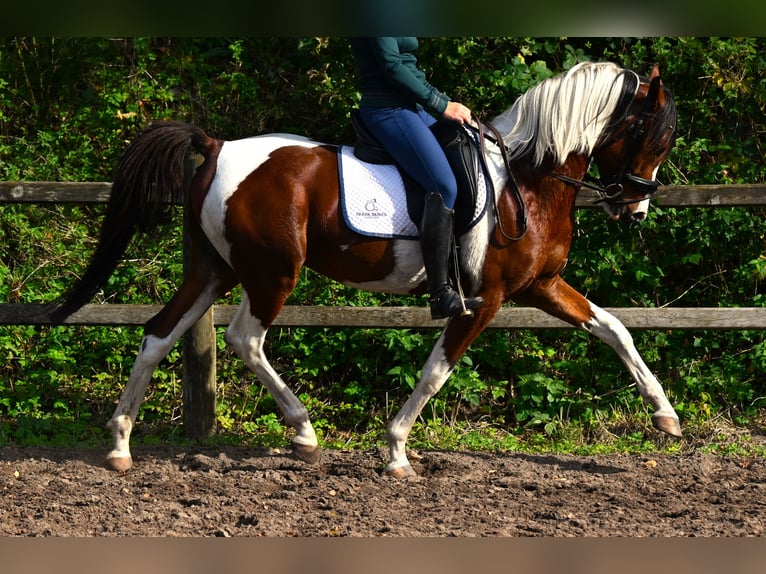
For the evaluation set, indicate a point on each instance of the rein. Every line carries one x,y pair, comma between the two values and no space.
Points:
521,215
609,189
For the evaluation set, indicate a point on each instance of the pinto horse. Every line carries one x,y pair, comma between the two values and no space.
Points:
263,207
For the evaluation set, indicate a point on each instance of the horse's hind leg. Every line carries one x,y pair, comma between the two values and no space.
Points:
160,334
246,335
556,297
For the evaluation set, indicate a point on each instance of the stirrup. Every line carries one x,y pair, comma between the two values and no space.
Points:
445,303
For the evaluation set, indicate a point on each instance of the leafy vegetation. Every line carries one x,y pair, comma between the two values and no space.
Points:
69,106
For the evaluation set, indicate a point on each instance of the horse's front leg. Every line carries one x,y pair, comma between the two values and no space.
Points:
609,329
435,372
556,297
456,337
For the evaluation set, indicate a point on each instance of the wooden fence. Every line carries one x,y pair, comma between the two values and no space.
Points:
199,343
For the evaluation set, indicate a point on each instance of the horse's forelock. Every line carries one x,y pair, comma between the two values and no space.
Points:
566,113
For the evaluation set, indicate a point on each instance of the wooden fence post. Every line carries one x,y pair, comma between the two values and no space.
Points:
199,349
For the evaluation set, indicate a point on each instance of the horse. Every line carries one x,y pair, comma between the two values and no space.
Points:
263,207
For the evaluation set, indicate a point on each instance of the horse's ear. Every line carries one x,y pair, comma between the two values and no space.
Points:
655,84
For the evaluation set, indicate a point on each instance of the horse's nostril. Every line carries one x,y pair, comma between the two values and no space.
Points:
638,217
629,218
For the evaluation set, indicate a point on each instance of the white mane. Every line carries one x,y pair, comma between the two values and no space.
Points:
563,114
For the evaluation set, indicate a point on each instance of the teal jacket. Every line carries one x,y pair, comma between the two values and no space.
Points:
389,75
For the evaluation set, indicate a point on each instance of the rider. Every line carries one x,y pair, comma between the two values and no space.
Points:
394,94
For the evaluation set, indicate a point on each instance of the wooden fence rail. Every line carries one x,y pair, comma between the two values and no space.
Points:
635,318
199,344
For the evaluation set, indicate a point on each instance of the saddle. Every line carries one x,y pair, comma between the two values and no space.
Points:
462,153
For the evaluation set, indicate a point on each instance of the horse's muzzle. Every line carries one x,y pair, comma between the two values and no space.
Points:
631,217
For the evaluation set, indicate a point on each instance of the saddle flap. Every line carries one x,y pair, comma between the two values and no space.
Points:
462,153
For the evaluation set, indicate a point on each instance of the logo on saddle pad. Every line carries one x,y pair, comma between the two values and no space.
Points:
373,198
371,209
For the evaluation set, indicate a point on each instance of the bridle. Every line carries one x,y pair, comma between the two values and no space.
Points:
610,189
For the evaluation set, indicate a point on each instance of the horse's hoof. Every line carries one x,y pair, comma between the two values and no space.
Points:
666,424
308,454
119,463
401,472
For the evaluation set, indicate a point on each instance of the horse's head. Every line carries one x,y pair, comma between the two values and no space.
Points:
629,159
597,110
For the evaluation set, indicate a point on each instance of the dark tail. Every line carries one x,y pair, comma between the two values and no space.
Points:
149,176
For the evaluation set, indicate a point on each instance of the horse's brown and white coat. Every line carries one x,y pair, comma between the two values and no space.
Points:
263,207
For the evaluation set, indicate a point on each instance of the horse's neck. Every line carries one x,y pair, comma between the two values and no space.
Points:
575,166
553,195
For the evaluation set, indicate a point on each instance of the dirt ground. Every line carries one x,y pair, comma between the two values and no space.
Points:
238,492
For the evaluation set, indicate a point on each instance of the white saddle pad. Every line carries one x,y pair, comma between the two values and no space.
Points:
373,199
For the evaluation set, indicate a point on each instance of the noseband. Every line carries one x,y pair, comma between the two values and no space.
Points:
612,193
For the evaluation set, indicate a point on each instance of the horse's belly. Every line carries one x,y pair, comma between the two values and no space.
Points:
400,272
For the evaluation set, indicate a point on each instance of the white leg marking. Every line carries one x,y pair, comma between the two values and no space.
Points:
152,350
435,373
609,329
246,336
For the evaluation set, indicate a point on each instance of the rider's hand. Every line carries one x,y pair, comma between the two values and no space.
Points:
457,112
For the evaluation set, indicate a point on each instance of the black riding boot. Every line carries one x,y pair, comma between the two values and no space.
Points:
436,232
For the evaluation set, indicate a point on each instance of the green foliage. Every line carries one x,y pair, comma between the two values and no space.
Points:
68,107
